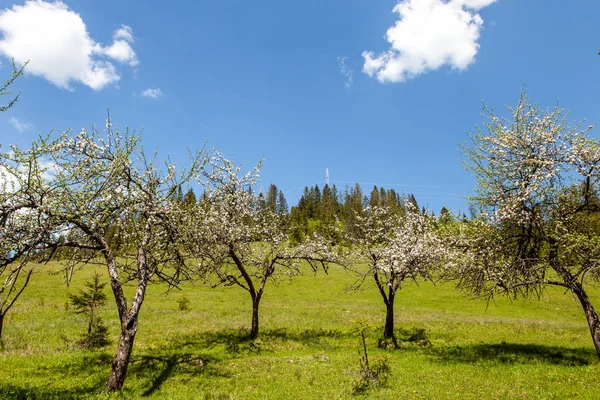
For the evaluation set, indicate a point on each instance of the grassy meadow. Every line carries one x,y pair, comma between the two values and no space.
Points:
307,349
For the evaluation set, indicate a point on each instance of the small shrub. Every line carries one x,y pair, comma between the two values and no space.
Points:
96,337
374,373
183,303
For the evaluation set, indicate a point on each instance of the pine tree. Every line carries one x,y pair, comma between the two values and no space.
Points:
375,200
353,207
189,199
383,197
271,198
413,201
317,194
445,216
282,205
393,200
336,199
327,205
88,302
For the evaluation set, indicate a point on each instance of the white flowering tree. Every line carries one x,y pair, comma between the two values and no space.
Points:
25,232
103,180
21,184
537,188
395,248
240,243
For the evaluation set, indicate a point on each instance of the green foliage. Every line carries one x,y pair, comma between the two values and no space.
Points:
189,199
97,336
373,374
330,213
183,303
4,88
271,198
89,302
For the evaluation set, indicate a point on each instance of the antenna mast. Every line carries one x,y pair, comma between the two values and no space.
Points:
327,176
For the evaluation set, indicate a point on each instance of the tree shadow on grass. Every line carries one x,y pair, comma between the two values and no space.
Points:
87,367
240,342
180,357
514,353
157,368
13,392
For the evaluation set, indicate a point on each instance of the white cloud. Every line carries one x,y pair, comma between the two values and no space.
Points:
20,126
345,71
153,93
124,33
58,46
428,35
120,50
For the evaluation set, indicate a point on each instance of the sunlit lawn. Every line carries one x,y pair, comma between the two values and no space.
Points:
472,350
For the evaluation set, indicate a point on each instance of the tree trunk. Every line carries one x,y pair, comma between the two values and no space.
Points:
90,323
388,331
590,315
121,361
1,324
576,287
254,331
129,323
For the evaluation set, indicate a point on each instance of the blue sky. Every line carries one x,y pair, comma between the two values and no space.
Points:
265,79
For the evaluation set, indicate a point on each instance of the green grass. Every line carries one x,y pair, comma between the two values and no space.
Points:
507,349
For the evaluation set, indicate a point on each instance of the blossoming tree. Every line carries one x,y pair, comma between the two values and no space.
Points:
395,248
240,243
103,180
25,232
537,188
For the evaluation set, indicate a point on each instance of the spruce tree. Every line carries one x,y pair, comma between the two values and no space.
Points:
327,205
413,201
189,199
271,198
383,197
88,302
282,205
375,200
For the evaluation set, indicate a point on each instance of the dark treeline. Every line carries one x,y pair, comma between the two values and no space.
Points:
326,211
319,210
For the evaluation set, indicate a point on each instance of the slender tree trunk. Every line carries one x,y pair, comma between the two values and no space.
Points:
254,330
120,363
576,287
590,315
90,323
254,294
129,323
388,331
1,324
388,299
